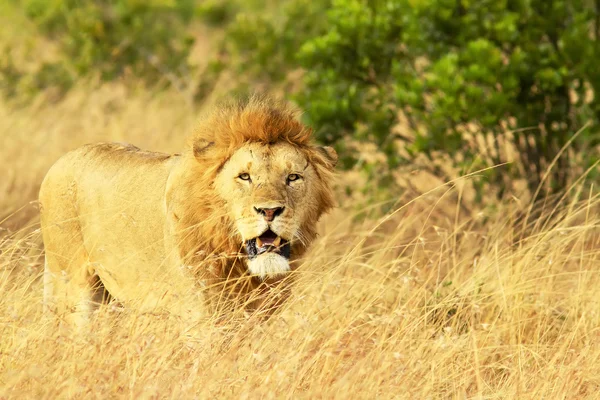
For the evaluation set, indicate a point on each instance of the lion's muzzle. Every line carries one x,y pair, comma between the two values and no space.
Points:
268,242
268,255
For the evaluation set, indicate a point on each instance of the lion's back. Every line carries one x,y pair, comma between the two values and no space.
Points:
102,168
109,200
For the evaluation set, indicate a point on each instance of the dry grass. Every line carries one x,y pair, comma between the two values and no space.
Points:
424,302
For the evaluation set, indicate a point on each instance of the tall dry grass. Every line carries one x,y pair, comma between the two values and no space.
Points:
427,301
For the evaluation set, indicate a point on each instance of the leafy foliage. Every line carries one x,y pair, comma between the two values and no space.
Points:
264,44
451,67
113,38
482,82
349,73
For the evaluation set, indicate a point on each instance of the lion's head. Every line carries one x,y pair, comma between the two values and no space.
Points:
268,183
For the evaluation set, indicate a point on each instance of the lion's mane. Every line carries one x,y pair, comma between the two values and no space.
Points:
223,131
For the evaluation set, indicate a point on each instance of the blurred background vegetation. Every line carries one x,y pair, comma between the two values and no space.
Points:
395,85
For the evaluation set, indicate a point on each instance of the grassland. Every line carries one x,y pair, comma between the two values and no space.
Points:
436,298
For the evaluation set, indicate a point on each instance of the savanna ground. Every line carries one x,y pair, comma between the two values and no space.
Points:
436,297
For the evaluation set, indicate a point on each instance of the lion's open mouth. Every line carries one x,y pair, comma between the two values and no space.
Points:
268,242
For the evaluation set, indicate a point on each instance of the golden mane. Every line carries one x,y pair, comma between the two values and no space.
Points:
253,119
256,118
221,132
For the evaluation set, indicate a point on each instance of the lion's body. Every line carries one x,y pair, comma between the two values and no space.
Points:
104,214
154,229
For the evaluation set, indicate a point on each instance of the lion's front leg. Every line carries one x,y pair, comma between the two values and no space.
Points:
69,293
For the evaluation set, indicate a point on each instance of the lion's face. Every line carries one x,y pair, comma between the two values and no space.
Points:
270,192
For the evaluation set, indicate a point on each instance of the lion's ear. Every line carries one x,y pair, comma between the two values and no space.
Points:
329,154
201,146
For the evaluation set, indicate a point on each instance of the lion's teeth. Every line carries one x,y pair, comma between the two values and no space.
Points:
277,241
259,242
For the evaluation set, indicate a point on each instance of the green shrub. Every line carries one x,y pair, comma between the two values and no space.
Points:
216,12
147,39
519,73
449,66
349,77
263,42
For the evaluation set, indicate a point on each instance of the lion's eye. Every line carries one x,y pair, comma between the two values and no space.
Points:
293,177
245,176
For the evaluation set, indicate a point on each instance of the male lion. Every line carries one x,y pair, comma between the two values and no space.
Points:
157,231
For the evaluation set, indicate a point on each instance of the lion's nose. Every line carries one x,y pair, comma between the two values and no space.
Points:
269,213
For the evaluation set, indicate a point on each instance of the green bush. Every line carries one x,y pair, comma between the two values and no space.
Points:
216,12
262,43
521,73
449,66
349,76
147,39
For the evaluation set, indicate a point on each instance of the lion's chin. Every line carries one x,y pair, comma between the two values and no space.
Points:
269,266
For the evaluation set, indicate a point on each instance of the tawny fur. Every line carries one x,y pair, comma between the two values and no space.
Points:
147,223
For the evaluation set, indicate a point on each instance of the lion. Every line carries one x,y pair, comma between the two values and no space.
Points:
156,231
